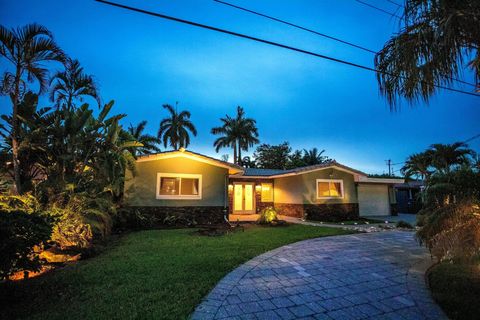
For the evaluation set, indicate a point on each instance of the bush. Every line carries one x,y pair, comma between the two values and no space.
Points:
20,232
267,215
452,232
404,224
82,220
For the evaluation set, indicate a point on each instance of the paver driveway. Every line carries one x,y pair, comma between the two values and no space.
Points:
362,276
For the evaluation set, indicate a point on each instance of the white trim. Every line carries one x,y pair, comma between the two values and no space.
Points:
179,196
187,155
329,180
381,180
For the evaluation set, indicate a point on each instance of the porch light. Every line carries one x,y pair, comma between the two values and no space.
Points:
230,187
258,187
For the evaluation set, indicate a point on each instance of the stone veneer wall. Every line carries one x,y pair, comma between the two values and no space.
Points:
201,215
320,212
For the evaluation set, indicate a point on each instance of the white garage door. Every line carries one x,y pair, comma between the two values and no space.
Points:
373,200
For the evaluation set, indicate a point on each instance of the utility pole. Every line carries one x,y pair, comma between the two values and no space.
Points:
389,164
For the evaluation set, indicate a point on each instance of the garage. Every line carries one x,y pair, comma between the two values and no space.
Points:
373,200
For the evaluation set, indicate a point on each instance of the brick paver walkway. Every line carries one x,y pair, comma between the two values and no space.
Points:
361,276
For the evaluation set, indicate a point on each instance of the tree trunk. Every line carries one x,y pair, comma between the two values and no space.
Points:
239,161
16,162
235,153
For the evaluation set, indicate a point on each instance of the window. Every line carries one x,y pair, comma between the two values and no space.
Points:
329,189
267,192
179,186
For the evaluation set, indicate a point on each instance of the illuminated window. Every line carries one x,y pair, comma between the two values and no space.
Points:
179,186
267,192
329,189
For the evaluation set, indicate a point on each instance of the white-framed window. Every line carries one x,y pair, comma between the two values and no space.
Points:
266,192
179,186
329,189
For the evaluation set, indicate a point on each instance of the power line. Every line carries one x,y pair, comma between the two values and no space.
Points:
276,44
472,138
395,3
296,26
314,32
379,9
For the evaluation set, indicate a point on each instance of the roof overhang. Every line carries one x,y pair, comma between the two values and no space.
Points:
232,168
364,179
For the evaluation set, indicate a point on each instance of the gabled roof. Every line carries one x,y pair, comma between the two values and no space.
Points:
277,173
359,176
182,153
262,172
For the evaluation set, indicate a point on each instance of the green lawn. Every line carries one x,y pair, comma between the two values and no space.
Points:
456,287
149,274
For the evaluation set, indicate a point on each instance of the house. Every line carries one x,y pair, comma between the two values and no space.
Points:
407,195
191,184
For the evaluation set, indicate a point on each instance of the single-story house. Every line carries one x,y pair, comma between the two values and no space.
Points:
189,183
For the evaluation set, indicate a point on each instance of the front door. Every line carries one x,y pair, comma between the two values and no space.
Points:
243,198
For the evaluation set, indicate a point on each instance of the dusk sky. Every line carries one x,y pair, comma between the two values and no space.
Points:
142,62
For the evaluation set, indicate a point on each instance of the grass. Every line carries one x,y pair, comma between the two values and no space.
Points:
148,274
456,288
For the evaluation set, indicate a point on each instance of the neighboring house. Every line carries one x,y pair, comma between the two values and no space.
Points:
184,182
407,195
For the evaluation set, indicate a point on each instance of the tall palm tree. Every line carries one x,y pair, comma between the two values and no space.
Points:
72,84
174,130
239,133
148,141
313,156
438,40
444,156
418,165
26,48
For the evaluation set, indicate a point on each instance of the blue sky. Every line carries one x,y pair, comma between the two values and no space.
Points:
142,62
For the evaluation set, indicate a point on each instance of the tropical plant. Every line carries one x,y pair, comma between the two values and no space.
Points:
20,233
267,216
149,142
174,130
239,133
418,165
296,160
32,125
444,156
26,48
23,226
248,162
272,156
72,84
437,41
313,156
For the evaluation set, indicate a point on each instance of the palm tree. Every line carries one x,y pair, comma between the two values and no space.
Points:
72,84
313,156
174,130
418,164
26,48
438,41
238,133
148,141
444,156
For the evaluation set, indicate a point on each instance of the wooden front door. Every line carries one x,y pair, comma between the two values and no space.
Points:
243,198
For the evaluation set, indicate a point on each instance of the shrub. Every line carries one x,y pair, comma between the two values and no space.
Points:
267,215
404,224
452,232
82,220
20,232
